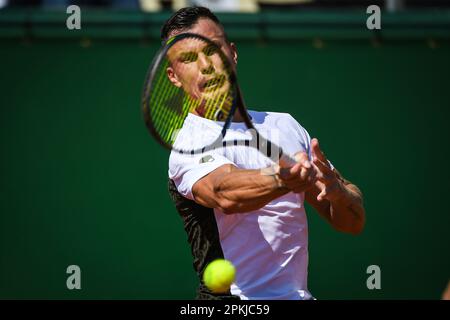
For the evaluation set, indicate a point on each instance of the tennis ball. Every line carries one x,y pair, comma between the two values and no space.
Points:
219,275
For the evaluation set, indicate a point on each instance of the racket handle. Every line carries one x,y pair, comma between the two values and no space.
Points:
286,161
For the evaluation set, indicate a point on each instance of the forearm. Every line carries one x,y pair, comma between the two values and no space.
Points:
346,212
239,191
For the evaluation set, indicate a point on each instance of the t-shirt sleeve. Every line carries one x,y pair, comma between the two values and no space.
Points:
301,135
305,140
186,170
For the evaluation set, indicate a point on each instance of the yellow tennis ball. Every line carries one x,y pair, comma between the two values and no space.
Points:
219,275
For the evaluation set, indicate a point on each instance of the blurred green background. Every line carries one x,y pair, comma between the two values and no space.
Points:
82,181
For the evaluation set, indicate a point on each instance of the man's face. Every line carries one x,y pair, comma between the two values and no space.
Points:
197,67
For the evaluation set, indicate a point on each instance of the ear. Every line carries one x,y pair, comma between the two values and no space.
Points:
234,52
173,77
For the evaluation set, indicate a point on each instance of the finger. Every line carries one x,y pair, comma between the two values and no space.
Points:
318,154
321,195
294,183
312,175
290,173
302,157
300,185
319,185
302,188
296,169
326,170
318,173
304,173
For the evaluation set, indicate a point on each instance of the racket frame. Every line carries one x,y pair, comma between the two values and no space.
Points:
238,103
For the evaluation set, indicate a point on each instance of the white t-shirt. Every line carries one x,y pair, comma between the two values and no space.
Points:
269,246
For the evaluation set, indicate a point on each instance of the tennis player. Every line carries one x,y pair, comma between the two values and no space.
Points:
253,217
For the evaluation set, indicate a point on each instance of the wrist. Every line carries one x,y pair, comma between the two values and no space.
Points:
274,172
344,195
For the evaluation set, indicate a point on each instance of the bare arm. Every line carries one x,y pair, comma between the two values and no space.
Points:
234,190
345,212
337,200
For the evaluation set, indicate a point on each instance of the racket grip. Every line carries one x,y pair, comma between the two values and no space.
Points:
286,161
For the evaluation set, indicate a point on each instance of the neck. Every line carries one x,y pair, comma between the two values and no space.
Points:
237,117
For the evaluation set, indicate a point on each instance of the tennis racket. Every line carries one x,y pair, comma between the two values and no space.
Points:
191,75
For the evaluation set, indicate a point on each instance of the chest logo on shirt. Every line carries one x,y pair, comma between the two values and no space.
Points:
207,158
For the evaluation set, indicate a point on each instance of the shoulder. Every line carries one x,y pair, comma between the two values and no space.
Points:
283,116
278,119
291,130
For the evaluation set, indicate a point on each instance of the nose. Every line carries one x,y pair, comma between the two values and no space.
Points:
205,64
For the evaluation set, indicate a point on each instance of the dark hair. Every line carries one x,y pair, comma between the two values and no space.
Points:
185,18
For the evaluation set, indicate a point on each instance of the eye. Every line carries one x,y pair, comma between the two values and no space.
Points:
210,50
188,57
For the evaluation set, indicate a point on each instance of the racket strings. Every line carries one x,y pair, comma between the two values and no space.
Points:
165,100
169,105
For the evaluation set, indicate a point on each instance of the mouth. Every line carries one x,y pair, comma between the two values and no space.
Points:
214,83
